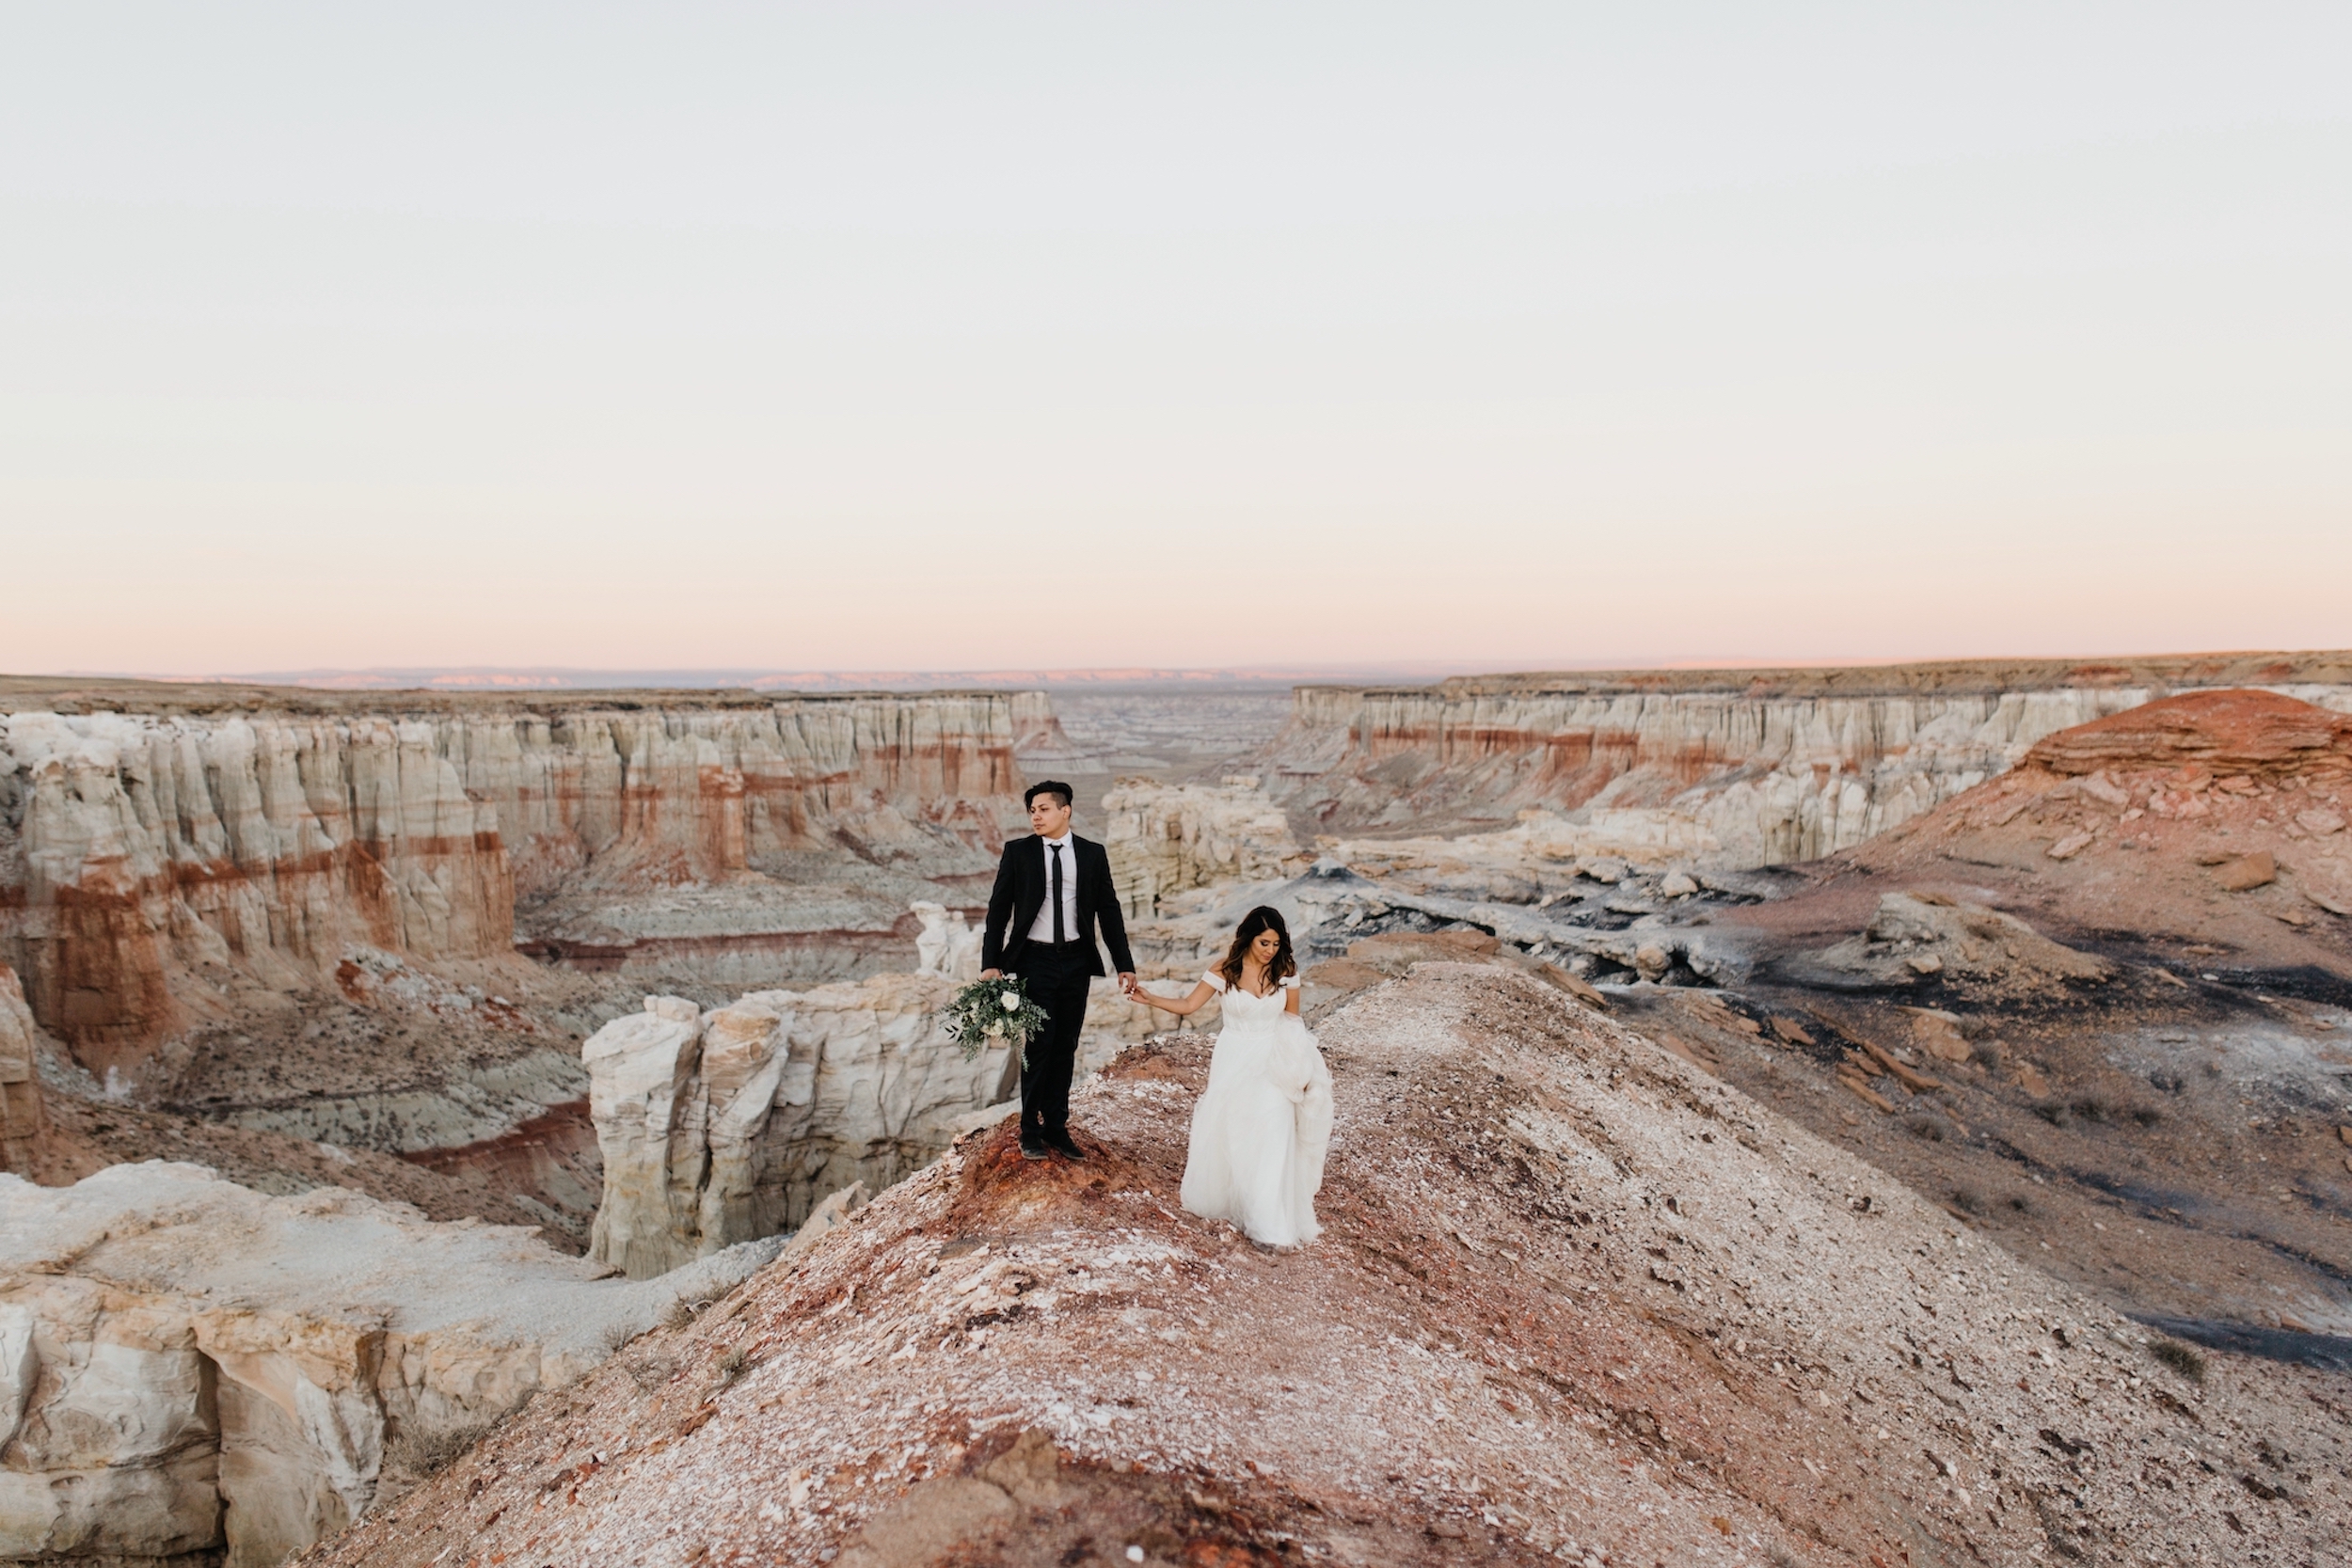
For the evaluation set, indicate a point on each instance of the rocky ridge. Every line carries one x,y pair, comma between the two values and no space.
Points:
1576,1301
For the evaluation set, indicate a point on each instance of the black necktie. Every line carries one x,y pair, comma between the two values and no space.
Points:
1058,938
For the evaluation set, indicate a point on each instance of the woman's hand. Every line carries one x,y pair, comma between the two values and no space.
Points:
1200,994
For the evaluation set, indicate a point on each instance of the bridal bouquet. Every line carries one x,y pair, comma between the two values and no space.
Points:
986,1011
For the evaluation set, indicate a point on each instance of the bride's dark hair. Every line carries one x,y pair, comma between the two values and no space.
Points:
1260,919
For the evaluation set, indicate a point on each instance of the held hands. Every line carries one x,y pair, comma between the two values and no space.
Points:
991,973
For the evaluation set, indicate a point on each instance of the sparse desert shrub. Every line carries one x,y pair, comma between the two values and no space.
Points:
1968,1200
732,1365
2180,1358
1988,1054
2052,1110
428,1453
2170,1083
678,1314
1928,1127
1783,1558
2092,1107
2147,1116
2020,1202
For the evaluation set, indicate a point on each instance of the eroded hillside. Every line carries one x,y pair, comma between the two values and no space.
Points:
1577,1300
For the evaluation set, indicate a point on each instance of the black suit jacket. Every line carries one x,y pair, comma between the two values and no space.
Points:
1020,893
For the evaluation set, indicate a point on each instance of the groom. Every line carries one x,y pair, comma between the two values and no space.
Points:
1051,889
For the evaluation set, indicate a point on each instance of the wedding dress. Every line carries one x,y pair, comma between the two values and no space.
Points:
1262,1125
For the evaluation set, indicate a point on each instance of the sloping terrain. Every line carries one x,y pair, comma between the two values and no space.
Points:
2204,832
2101,1006
1575,1300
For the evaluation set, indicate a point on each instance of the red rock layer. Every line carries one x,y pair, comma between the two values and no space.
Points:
2258,733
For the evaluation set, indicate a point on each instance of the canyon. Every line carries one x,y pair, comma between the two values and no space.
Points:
2049,962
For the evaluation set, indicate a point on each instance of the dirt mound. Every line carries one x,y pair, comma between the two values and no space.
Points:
2258,733
1575,1302
2197,833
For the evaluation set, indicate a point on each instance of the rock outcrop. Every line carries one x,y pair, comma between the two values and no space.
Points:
23,1117
194,1373
1575,1302
1169,839
141,851
949,946
1735,768
1918,934
2206,824
722,1126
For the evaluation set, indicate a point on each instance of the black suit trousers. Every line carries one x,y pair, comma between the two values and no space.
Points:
1057,980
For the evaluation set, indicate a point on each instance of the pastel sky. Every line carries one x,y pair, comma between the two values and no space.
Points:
896,335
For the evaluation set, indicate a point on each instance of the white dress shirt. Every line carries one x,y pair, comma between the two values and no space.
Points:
1042,929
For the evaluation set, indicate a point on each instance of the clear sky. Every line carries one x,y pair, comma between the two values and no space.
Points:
896,335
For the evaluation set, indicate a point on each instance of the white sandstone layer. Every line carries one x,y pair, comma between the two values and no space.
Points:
190,1367
718,1128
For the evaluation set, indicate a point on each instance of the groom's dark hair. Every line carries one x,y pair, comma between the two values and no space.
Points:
1049,786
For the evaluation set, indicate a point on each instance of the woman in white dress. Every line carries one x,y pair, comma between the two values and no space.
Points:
1262,1125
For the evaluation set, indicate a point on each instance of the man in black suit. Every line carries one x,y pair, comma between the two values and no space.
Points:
1052,888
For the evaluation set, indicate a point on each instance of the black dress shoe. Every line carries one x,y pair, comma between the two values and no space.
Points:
1063,1145
1032,1150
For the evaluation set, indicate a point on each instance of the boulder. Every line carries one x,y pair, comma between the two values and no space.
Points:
2244,873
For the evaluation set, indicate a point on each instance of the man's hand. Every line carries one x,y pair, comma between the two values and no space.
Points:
991,973
1126,982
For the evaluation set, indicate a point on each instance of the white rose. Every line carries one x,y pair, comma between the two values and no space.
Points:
1013,1000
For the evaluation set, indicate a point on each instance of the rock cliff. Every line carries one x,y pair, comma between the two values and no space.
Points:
727,1126
194,1373
1736,768
23,1114
147,860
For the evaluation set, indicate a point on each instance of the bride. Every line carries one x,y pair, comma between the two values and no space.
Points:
1261,1128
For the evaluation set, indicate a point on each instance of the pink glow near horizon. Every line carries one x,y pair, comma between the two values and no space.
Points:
1508,340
